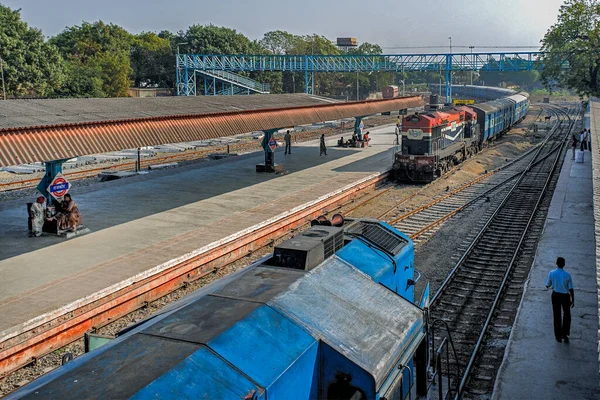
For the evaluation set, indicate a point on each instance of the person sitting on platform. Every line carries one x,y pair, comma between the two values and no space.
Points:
354,139
69,217
366,140
341,142
37,216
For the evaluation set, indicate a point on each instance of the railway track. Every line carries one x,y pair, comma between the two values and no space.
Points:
422,222
484,287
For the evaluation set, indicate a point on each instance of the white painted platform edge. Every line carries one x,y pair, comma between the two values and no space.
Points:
37,321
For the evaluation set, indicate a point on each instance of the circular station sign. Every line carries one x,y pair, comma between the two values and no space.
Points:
273,144
59,187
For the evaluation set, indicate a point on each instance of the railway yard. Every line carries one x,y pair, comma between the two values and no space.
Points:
161,236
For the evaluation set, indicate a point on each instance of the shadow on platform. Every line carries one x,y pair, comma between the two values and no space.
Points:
108,204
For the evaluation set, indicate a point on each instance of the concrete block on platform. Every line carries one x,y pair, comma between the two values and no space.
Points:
78,232
269,168
162,166
113,175
219,156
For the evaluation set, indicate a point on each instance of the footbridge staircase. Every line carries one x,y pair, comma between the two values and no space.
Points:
218,82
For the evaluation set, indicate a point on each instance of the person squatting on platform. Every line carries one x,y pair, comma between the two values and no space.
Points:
37,214
563,297
69,217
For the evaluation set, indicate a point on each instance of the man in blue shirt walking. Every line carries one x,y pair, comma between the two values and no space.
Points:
563,297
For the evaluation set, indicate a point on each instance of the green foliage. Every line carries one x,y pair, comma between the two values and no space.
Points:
278,42
212,39
151,60
101,54
31,66
524,79
574,41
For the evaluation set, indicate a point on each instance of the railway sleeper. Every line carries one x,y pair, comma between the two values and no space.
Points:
475,286
453,304
474,263
471,296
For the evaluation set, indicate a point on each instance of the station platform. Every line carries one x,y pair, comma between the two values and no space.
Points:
146,223
535,365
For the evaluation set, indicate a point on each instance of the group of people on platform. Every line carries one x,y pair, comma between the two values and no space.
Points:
357,140
67,215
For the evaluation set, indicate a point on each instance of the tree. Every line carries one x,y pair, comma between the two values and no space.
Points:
278,42
101,53
31,66
211,39
151,60
574,41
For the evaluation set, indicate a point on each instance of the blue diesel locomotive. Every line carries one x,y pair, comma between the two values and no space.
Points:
330,314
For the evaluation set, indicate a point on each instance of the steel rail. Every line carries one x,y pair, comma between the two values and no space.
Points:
510,266
461,188
479,197
461,261
482,230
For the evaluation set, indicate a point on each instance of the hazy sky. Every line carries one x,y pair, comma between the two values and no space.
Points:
386,22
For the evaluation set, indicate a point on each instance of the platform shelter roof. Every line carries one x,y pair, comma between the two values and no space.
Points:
141,124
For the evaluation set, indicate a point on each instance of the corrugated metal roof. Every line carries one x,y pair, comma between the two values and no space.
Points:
53,142
21,113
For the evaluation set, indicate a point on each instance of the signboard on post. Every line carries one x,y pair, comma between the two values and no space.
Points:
59,187
272,144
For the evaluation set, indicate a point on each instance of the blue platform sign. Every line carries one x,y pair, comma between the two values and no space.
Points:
59,187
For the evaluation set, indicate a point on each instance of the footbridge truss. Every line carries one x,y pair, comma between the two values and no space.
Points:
189,64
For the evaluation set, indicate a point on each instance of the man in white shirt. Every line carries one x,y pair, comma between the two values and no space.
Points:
563,297
37,216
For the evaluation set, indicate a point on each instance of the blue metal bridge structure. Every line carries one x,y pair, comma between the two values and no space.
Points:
190,65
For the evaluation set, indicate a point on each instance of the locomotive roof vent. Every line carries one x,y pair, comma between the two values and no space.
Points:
377,234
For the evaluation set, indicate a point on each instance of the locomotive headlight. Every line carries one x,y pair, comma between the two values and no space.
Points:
396,165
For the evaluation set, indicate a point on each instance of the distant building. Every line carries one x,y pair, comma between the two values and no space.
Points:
150,92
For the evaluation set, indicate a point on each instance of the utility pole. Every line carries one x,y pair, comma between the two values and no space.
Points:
2,74
473,61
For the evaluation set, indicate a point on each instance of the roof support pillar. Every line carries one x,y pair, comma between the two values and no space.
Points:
358,126
269,144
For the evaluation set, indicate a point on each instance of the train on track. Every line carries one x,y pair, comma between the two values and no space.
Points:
432,142
330,314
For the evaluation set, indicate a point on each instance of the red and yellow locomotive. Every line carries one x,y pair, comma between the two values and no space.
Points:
434,141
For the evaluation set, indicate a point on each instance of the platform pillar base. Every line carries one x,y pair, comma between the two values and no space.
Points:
269,168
